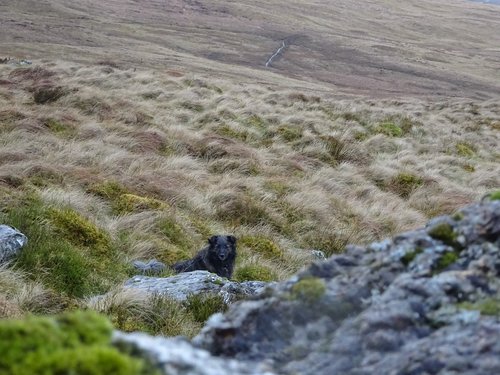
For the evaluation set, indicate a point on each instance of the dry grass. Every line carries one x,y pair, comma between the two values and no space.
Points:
159,162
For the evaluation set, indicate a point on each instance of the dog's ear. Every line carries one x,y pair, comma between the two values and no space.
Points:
212,240
232,239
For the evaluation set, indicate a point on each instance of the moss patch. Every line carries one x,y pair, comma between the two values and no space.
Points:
444,232
487,306
70,255
390,129
261,245
74,343
465,149
308,289
495,196
409,256
126,203
254,272
79,230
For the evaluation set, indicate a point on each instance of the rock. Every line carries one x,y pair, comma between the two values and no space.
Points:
152,267
318,254
180,286
425,302
176,356
11,242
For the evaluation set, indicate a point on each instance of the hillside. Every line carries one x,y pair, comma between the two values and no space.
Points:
135,130
381,49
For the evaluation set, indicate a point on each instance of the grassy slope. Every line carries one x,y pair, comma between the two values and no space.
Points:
383,48
136,161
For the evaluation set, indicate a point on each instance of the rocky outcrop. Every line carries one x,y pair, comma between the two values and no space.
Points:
11,242
425,302
180,286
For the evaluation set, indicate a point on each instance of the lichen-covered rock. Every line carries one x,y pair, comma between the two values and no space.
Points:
425,302
176,356
180,286
11,242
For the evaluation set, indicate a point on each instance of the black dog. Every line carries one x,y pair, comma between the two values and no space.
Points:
217,257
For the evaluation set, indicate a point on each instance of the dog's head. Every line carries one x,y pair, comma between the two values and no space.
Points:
223,247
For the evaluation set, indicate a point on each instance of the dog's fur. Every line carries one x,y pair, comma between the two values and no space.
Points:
217,257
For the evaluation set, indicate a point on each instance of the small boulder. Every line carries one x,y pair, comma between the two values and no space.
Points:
152,267
11,242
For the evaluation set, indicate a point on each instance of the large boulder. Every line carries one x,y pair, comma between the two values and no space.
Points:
425,302
11,242
181,286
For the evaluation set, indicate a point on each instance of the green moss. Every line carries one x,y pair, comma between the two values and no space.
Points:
465,149
202,307
446,260
73,343
403,184
457,216
75,259
254,272
390,129
79,230
487,306
443,232
495,196
110,190
126,203
261,245
409,256
309,289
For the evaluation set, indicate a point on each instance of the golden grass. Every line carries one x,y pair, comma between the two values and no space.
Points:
160,162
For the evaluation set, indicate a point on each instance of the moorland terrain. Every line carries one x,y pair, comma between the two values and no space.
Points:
143,127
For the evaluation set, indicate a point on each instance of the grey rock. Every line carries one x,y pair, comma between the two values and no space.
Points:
176,356
420,303
180,286
318,254
11,242
152,267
